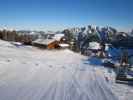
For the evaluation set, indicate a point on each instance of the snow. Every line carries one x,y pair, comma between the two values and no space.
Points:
64,45
94,45
27,73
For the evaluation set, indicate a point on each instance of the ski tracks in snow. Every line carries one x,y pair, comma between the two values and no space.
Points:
50,75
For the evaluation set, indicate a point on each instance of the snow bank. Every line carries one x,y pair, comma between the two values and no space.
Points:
5,44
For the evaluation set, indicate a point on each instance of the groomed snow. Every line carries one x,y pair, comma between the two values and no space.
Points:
27,73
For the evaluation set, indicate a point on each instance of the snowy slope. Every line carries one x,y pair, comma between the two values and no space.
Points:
27,73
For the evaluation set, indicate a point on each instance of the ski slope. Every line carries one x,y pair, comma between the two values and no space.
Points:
27,73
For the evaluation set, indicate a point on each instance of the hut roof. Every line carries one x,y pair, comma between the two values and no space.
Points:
44,41
58,36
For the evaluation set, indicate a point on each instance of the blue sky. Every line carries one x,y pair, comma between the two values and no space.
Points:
59,14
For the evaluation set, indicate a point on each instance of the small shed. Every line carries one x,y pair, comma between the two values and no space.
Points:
58,41
46,43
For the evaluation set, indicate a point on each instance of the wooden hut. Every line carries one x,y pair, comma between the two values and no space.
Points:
53,45
46,44
58,41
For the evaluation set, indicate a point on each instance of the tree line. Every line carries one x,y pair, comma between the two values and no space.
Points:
16,37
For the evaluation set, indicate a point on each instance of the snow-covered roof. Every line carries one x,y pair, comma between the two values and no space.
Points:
44,41
58,36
